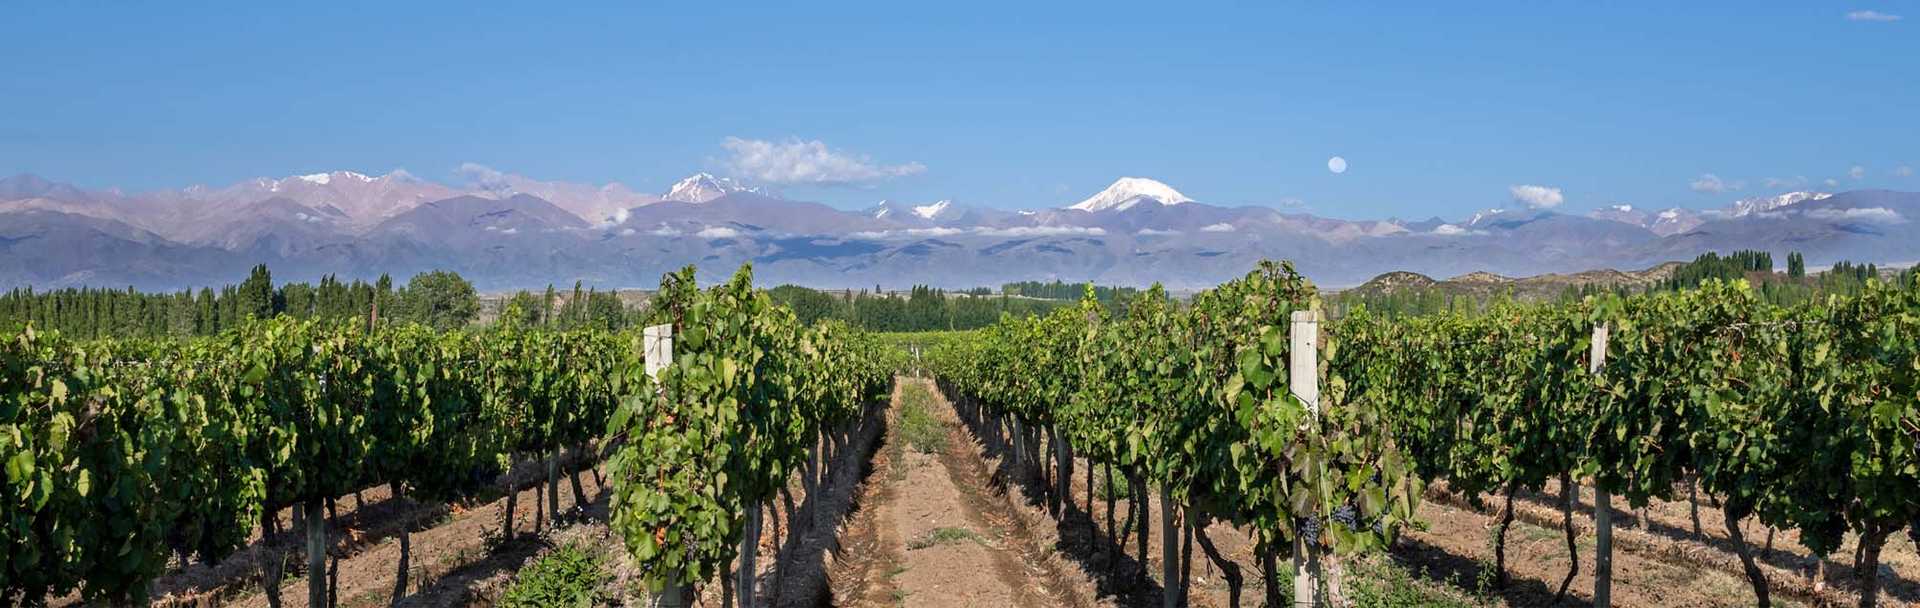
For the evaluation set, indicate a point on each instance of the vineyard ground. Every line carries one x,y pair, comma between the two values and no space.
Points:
458,557
1669,534
938,535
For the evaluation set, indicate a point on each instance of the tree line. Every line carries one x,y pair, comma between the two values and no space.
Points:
923,308
439,299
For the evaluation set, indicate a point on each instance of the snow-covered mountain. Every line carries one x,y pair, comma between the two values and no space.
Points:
1766,204
1679,220
1129,191
703,187
1623,213
504,232
934,211
363,200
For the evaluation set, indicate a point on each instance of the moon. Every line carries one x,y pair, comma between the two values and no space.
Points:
1337,165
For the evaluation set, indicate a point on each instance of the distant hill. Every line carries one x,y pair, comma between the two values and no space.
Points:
1484,284
505,232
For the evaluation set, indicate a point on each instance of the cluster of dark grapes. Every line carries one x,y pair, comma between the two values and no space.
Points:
1310,530
1344,515
1347,516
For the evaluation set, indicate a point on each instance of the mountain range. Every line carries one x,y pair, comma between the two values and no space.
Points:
505,231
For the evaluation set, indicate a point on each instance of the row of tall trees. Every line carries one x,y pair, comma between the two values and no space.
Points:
440,299
923,308
1060,290
591,308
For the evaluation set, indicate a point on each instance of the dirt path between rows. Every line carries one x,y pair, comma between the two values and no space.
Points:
936,534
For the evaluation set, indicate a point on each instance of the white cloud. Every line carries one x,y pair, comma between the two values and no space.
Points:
665,230
1877,215
620,215
717,232
807,162
997,232
1708,182
483,177
1449,230
907,232
1041,231
1857,172
1220,227
626,232
1537,197
1872,16
1903,171
1154,232
1831,182
1785,182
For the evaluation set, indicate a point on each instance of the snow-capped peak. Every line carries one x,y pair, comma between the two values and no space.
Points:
1623,208
1762,204
703,187
1129,191
930,211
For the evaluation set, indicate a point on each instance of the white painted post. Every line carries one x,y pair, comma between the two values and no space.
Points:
1303,377
1303,367
657,342
1602,499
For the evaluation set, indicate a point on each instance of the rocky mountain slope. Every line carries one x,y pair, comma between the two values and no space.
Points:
505,232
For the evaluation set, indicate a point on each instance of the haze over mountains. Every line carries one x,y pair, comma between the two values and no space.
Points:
506,231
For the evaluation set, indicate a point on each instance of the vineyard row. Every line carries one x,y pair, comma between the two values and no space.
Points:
122,456
1320,436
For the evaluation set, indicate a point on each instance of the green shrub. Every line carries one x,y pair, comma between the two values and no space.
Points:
918,428
942,536
1380,583
568,576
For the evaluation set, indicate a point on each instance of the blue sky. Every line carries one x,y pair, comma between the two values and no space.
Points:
1438,110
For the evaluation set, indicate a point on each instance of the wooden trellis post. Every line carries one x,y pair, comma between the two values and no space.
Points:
657,342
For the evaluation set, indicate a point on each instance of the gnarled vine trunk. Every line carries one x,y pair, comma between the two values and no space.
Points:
1734,512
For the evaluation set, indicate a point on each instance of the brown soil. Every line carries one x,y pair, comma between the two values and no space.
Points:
368,521
449,560
1456,548
943,537
1666,539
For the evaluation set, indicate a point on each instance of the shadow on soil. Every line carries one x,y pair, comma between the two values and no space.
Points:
1115,573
